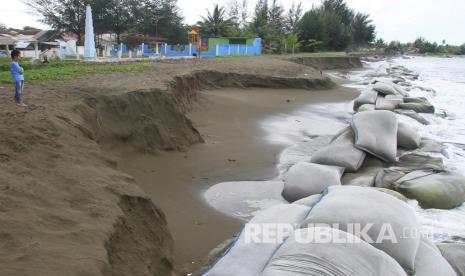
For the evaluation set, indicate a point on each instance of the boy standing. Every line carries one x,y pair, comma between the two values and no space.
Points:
18,77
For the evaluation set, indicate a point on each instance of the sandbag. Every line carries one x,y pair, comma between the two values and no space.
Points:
418,107
376,133
386,178
366,107
412,114
407,137
248,258
354,258
415,161
306,179
433,190
347,205
428,145
365,177
309,200
397,99
393,193
454,253
384,104
341,152
366,97
384,88
430,262
416,100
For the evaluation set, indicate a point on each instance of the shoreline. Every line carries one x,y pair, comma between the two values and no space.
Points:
235,149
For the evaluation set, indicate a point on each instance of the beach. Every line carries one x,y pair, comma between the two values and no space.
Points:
66,186
235,149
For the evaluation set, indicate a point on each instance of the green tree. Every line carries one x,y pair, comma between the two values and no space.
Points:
311,26
159,18
340,8
363,32
116,16
63,15
292,18
259,24
215,23
462,50
379,43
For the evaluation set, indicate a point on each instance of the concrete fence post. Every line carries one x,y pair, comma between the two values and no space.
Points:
238,49
166,49
246,49
143,48
229,49
190,49
217,50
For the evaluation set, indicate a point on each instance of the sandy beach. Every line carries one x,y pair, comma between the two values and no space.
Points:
70,202
234,150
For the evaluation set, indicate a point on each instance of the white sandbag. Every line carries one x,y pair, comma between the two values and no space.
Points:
416,161
412,114
366,107
306,179
309,200
408,137
248,258
299,256
384,104
341,152
376,133
416,100
366,97
387,177
430,262
382,213
395,98
455,255
432,146
418,107
433,190
393,193
401,91
384,88
365,177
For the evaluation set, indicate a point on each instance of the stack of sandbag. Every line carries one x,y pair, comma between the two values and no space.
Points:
430,262
407,137
248,257
367,97
445,190
347,206
376,133
306,179
299,256
341,152
454,253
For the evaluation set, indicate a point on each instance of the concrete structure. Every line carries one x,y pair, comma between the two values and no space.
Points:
89,40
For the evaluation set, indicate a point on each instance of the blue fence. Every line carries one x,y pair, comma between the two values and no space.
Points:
165,50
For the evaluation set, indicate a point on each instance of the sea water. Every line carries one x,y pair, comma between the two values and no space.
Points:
441,81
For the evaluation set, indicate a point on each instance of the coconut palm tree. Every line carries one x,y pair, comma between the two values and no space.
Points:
215,24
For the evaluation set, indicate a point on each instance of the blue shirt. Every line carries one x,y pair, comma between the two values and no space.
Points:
15,70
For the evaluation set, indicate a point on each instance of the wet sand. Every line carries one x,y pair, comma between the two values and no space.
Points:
234,150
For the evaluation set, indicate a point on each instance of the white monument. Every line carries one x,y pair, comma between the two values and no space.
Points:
89,40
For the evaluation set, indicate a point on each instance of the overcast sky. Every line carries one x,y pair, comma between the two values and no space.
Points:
402,20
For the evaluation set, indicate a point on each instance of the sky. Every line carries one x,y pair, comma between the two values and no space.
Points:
402,20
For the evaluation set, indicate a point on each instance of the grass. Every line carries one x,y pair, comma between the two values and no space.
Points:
65,70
